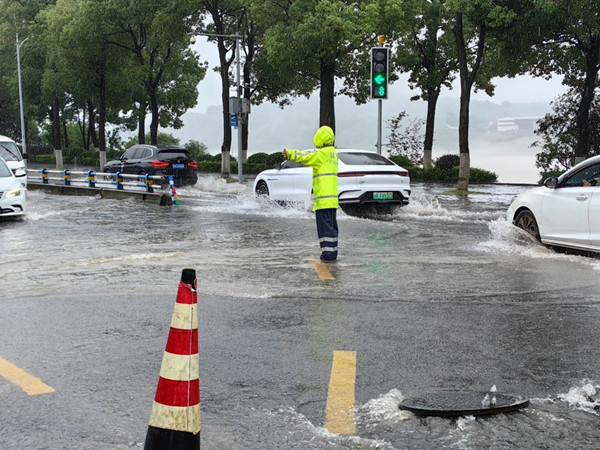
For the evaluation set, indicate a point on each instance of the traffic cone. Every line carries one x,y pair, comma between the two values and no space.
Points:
175,419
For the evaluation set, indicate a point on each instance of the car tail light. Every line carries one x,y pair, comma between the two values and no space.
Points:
160,164
193,164
362,174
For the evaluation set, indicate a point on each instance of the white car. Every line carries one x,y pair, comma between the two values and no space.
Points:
13,158
565,212
365,178
12,192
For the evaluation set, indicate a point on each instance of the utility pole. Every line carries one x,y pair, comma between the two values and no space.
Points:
23,137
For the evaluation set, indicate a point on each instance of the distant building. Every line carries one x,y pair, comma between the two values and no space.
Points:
514,125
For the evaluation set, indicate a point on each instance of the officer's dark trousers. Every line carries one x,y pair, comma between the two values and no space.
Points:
327,230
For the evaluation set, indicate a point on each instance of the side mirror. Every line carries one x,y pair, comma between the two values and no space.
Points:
551,183
20,173
278,166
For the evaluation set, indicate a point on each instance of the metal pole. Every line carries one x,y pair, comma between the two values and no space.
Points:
239,94
23,138
379,108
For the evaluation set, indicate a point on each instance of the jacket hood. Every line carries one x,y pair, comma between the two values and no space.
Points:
324,136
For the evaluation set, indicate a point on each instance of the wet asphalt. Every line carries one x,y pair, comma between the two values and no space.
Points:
442,295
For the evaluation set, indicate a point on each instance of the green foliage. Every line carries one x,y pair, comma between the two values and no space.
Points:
163,139
558,133
403,161
197,149
435,174
447,162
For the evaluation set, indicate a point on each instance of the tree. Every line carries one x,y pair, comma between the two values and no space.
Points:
428,52
227,17
570,46
17,17
558,133
157,35
476,26
307,46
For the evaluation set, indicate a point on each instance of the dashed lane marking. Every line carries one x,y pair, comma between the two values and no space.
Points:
340,415
322,270
27,382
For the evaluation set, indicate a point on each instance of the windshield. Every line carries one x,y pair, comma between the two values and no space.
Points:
4,170
10,152
364,159
173,153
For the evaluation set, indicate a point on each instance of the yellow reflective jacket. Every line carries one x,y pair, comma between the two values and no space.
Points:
324,163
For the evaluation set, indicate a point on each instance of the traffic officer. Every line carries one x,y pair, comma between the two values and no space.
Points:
324,163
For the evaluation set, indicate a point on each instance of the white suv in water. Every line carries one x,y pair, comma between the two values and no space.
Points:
13,158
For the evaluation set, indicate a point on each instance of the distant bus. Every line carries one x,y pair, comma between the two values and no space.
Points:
517,124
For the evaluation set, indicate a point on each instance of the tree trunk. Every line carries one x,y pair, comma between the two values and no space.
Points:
102,118
592,55
142,124
463,139
56,132
467,78
66,134
226,146
153,104
432,98
56,138
326,96
92,132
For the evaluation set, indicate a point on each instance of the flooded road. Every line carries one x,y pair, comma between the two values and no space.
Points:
444,294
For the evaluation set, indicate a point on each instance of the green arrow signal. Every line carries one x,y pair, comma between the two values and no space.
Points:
379,79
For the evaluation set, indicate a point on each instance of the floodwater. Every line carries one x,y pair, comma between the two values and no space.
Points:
442,294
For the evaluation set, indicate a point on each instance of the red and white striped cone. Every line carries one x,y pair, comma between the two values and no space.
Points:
175,419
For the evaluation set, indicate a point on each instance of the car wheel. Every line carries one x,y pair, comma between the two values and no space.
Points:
526,221
262,190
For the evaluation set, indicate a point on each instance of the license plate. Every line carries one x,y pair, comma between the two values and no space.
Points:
383,195
178,166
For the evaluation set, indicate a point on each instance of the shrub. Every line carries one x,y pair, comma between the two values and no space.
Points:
450,175
447,162
258,158
403,160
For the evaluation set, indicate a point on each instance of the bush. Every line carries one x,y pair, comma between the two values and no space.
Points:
403,161
476,176
258,158
447,162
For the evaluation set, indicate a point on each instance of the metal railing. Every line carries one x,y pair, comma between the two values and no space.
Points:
119,181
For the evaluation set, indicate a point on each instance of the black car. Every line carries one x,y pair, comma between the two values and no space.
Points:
157,160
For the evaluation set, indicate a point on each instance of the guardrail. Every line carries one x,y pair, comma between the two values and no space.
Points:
117,181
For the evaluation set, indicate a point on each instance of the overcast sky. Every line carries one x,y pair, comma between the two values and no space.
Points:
522,89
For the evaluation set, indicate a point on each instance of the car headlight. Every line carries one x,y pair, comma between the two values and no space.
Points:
14,192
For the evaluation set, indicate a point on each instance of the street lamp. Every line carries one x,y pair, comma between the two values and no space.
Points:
238,111
23,138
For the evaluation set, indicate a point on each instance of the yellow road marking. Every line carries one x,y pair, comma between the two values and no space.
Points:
30,384
340,416
322,270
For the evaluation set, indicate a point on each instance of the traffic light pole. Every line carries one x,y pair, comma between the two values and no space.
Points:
379,82
379,115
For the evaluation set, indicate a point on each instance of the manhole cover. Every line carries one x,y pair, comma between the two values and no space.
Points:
460,403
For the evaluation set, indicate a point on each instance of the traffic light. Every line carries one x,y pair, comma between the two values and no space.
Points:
379,72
